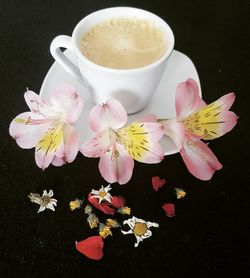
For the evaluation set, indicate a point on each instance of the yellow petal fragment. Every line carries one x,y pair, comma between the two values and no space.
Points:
205,122
180,193
51,139
21,121
135,140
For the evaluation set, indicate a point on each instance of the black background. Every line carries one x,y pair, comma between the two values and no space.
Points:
209,235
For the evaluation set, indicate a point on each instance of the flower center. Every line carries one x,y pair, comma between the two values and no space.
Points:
102,194
140,228
45,200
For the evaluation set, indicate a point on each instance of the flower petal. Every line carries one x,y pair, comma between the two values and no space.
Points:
98,145
65,98
199,159
213,120
108,115
91,247
139,140
175,130
157,182
48,145
118,201
27,128
103,206
169,209
116,166
34,101
187,98
71,143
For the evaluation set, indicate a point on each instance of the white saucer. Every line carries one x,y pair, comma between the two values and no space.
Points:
179,68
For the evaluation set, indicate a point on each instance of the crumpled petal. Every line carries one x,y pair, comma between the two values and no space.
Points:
116,165
118,201
66,99
157,182
103,206
213,120
199,159
91,247
108,115
27,128
169,209
187,98
140,139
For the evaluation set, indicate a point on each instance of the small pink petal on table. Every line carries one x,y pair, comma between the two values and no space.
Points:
157,182
169,209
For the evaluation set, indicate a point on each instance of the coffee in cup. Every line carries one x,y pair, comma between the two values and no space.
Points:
124,43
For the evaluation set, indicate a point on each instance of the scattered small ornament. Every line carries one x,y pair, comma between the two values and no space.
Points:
124,210
112,223
45,201
157,182
76,204
104,230
102,200
169,209
140,228
88,209
93,220
102,194
91,247
180,193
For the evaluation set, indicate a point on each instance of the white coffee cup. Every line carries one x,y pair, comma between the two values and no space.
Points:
132,87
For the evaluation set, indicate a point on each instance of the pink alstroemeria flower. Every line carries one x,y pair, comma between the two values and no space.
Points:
195,121
47,126
117,147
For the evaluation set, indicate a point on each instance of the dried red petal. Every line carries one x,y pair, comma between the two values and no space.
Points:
118,201
103,206
157,182
91,247
169,209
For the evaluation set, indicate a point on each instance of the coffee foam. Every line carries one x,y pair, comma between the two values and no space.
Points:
123,43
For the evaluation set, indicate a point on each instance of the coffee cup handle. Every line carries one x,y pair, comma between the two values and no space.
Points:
56,52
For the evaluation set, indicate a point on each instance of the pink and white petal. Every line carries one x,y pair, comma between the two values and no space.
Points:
187,98
27,130
57,161
116,166
66,98
199,159
71,142
226,101
98,145
175,131
154,155
154,130
229,120
107,115
49,145
149,118
34,101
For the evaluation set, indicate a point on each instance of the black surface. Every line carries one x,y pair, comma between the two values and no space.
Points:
210,234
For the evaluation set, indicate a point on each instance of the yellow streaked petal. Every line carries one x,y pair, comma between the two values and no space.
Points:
51,139
135,140
206,122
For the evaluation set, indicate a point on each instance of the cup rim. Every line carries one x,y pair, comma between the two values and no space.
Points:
113,70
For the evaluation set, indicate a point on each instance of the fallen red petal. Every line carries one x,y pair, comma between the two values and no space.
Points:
157,182
91,247
118,201
103,206
169,209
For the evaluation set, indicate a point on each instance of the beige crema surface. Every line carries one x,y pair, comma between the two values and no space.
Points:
123,43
